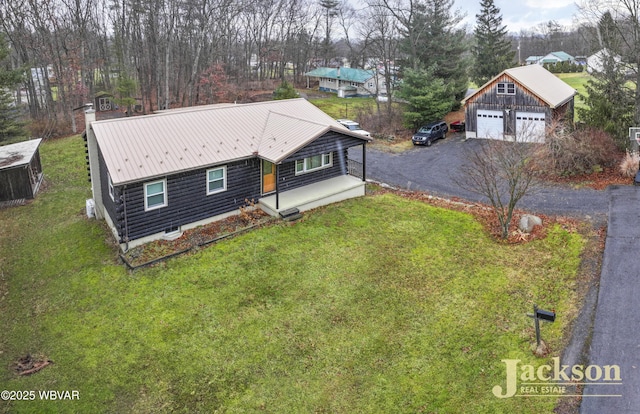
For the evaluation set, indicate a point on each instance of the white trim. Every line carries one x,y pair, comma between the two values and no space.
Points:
323,165
112,190
224,180
164,194
508,88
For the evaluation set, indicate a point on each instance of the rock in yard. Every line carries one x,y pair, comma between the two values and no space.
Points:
528,222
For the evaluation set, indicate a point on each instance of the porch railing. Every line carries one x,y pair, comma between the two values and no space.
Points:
354,168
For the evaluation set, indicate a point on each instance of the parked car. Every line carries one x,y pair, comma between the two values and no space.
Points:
457,126
429,133
382,97
353,126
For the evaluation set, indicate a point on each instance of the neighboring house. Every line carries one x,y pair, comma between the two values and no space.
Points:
595,62
20,170
348,82
556,57
518,104
533,60
155,176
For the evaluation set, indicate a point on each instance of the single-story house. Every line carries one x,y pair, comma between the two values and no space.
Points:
556,57
20,170
533,60
348,82
518,104
155,176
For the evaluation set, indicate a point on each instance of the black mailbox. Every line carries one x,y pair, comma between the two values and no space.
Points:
546,315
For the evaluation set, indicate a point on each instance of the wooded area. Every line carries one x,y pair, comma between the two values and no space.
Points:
159,54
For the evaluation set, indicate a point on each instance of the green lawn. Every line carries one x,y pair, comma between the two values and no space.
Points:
577,81
379,304
344,107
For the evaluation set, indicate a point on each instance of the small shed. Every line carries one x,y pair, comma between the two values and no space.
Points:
104,102
20,170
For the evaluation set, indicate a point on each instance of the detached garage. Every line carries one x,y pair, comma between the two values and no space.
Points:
518,105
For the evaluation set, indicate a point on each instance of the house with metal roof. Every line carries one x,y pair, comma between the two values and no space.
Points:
20,170
557,57
157,175
348,82
518,104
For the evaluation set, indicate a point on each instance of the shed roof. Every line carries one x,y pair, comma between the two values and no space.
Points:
539,81
144,147
346,74
16,155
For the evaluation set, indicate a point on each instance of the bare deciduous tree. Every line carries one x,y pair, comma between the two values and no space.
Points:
502,172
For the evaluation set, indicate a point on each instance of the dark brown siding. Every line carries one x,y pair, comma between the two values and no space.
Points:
15,184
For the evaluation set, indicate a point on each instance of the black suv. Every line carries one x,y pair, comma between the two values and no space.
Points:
429,133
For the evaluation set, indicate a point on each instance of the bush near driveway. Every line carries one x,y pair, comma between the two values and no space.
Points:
377,304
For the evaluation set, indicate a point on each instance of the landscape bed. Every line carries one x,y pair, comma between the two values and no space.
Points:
377,304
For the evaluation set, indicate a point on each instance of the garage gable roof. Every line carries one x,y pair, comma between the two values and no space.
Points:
539,81
143,147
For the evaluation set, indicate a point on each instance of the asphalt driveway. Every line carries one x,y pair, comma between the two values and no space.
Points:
432,169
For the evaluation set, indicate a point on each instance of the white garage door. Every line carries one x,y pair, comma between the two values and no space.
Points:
530,126
490,124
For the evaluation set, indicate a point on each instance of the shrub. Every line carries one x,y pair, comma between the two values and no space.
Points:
629,164
580,151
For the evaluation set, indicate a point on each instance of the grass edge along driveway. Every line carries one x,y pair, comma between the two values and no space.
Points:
378,304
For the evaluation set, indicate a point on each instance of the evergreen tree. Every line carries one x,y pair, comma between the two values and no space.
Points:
609,101
428,97
285,91
10,127
492,50
442,46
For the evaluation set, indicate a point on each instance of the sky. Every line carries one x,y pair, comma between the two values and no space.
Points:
524,14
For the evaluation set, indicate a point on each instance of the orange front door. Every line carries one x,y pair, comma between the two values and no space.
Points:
268,177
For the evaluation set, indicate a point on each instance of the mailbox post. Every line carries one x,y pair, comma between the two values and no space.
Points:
545,315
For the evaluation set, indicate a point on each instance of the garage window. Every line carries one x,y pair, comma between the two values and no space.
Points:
506,88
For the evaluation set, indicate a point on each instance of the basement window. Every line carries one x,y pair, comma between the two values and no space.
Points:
316,162
155,195
506,88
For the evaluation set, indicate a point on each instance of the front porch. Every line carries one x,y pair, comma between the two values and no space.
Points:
314,195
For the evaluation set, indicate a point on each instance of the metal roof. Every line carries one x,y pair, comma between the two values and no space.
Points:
539,81
184,139
346,74
16,155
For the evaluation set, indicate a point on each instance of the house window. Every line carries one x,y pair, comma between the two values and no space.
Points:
216,180
316,162
112,192
506,88
155,195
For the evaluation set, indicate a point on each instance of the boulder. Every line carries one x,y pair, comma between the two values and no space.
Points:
528,222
